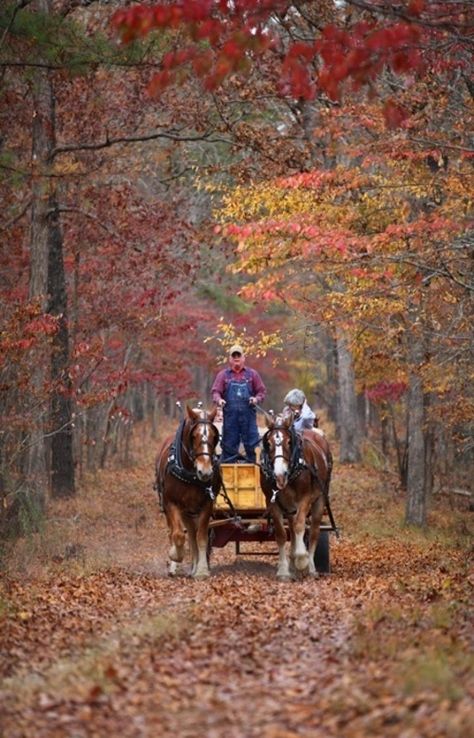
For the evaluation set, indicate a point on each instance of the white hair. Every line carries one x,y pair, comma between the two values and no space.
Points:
294,397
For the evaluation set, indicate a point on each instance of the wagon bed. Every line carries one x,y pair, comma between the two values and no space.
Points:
240,516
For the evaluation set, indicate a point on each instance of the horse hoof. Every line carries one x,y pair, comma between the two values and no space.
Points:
201,575
284,577
302,562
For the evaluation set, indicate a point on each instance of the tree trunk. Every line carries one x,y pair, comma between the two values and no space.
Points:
92,423
350,451
401,447
429,459
416,474
106,434
42,146
363,414
384,431
416,493
62,459
155,412
331,384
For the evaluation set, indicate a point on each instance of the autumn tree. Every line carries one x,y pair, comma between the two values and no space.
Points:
110,258
353,247
273,73
364,44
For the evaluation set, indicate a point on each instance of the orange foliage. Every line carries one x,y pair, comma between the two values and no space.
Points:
99,641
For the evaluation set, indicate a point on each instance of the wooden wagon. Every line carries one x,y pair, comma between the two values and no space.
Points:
240,516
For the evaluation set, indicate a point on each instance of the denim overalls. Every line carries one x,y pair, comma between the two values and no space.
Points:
240,421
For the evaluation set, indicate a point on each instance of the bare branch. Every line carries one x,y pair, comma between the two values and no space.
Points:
428,20
440,144
18,216
134,139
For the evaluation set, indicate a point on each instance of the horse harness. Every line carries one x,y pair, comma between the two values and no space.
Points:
296,463
175,464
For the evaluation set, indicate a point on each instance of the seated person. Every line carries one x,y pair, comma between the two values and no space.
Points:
303,416
304,420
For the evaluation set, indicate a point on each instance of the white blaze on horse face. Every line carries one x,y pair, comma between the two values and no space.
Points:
280,465
204,459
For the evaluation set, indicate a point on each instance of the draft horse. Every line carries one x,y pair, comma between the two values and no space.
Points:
295,471
188,480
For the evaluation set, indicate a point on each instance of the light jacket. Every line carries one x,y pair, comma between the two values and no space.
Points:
305,419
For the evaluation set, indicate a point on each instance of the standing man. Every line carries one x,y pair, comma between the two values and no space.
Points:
237,390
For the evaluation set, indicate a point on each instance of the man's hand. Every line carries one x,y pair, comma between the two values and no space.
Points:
221,403
252,401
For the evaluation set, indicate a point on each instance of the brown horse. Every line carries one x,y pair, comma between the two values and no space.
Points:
294,475
188,480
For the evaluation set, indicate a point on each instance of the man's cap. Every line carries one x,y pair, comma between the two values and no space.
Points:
236,349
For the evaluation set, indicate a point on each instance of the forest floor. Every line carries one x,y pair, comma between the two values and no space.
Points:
96,640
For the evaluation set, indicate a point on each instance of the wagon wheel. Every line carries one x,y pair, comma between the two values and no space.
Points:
321,555
210,542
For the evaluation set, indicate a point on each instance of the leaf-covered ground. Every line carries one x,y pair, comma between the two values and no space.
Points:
97,641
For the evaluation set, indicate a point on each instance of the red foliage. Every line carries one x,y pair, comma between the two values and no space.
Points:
239,30
394,114
134,293
386,391
46,324
416,7
24,328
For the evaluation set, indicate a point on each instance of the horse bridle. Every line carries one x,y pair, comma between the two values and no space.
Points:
279,442
295,463
175,464
192,455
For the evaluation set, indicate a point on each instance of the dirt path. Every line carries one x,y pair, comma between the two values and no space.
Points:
98,641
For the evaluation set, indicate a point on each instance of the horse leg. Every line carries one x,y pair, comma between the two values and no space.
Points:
198,540
283,571
291,529
177,538
190,525
317,511
299,524
201,569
